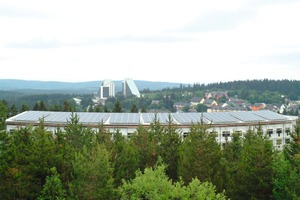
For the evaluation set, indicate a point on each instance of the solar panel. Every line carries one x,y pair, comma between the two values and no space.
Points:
220,117
84,117
247,116
58,117
188,118
163,117
269,115
32,116
92,118
148,118
124,118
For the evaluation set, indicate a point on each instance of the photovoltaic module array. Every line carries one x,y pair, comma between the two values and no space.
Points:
147,118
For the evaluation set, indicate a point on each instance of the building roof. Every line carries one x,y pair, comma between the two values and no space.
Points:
115,119
196,99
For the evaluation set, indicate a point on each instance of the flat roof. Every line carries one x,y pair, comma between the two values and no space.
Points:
114,119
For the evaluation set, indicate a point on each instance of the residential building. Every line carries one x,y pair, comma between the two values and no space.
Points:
216,95
197,100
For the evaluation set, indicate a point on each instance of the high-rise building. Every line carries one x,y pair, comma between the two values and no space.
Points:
107,89
129,88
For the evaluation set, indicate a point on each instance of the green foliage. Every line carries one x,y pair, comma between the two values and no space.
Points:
155,184
52,190
230,163
201,108
287,169
41,106
255,168
26,158
77,135
145,144
92,174
134,109
286,178
168,148
201,191
126,164
117,107
3,114
200,156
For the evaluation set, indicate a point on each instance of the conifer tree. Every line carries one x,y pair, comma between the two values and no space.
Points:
170,141
92,175
117,107
255,167
199,156
53,189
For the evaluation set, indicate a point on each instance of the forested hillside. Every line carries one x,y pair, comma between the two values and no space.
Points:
291,88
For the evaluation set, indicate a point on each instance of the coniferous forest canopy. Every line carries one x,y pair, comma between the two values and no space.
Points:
155,162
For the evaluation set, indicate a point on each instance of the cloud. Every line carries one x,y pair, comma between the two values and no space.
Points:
18,12
37,43
221,20
40,43
136,39
289,59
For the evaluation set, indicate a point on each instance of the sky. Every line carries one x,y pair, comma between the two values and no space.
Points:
158,40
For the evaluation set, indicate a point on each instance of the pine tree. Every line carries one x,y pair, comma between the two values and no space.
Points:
92,174
117,107
254,176
199,156
53,189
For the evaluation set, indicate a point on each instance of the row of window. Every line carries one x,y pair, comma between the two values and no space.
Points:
270,132
278,131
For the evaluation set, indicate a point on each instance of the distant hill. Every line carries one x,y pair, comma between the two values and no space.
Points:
77,87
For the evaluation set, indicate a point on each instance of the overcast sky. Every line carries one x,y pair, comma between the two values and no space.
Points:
158,40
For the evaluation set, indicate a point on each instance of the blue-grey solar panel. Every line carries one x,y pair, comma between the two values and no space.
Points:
100,117
124,118
58,117
247,116
31,116
148,118
188,118
85,117
220,117
269,115
163,117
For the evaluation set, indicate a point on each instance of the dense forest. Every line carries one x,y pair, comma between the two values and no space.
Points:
154,163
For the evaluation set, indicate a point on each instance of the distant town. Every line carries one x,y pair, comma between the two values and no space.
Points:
211,101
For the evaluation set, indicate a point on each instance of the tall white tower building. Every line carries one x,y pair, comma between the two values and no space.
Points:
107,89
129,88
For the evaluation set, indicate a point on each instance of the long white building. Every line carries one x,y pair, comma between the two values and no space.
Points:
277,127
